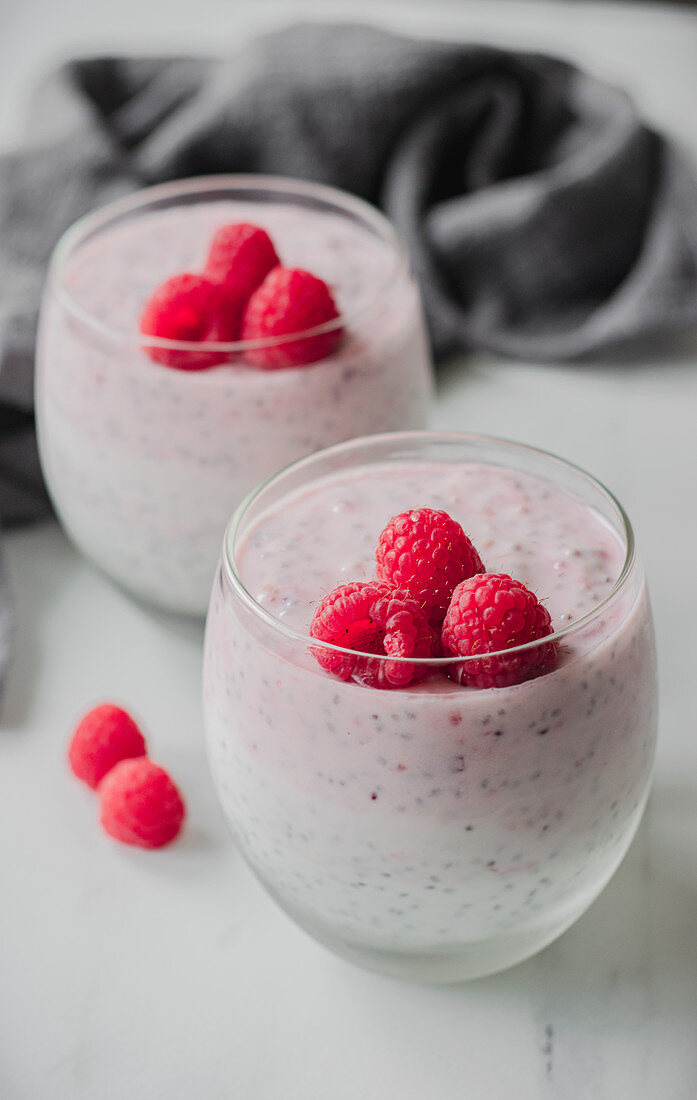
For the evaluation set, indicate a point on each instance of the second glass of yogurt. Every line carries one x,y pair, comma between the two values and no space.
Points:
435,832
145,463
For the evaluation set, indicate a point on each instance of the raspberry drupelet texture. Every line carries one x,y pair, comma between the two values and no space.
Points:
189,308
106,735
240,256
371,618
140,805
426,553
491,612
290,301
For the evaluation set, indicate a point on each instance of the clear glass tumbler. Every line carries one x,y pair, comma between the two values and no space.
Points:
436,832
145,463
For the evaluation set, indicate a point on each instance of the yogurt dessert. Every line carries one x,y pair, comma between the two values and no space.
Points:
148,443
436,831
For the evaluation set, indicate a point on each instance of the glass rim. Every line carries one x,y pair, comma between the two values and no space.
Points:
234,578
287,186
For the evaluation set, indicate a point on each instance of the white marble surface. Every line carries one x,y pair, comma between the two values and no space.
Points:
128,974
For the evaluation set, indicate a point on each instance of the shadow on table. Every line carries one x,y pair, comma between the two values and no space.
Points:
42,572
628,967
37,571
612,1003
607,1011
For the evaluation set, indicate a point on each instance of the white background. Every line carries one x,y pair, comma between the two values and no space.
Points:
139,975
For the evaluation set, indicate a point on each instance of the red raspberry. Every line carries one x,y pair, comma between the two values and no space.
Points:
288,301
140,804
371,618
491,612
426,553
240,256
191,308
104,736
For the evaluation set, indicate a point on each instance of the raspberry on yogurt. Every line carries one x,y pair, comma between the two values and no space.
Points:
189,308
491,612
371,618
290,301
240,256
427,553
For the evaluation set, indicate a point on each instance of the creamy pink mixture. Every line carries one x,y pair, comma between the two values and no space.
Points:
437,819
145,464
134,257
566,553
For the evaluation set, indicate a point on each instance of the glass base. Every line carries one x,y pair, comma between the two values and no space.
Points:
452,963
441,966
191,609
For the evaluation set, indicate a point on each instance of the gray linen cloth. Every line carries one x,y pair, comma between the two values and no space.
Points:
544,219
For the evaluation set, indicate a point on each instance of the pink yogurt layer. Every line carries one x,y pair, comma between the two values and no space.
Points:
439,815
326,535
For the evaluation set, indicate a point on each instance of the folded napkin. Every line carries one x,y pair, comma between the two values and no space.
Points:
544,219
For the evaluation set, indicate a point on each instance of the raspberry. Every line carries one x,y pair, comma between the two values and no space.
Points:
371,618
106,735
140,804
240,256
491,612
426,553
191,308
289,301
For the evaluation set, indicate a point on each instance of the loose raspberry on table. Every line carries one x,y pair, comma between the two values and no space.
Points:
106,735
190,308
426,553
371,618
491,612
290,301
140,805
240,256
